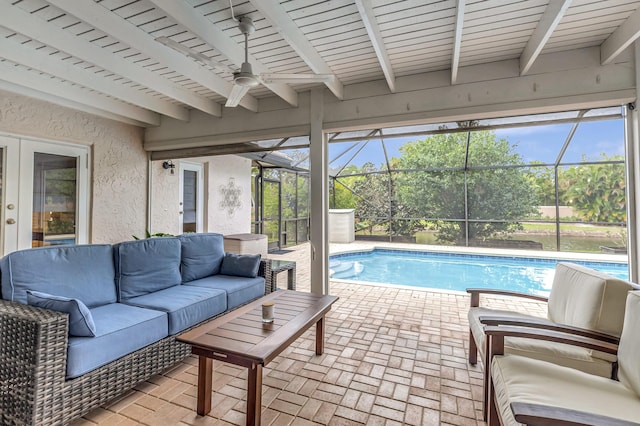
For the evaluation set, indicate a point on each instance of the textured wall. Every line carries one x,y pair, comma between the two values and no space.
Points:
229,210
119,178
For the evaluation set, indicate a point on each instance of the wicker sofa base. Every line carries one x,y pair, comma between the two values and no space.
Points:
33,388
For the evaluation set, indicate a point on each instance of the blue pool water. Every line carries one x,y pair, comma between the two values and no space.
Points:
451,271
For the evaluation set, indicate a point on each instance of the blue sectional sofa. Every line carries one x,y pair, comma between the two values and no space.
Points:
79,325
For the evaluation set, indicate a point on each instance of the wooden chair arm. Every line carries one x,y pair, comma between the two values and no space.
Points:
497,333
544,415
548,325
476,292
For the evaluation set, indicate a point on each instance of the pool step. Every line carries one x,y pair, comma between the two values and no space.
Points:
344,269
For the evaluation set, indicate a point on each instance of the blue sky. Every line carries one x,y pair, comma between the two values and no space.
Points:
533,143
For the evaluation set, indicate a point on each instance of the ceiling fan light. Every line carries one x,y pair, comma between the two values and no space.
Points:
245,77
245,80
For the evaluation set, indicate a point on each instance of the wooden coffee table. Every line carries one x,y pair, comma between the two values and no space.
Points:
241,338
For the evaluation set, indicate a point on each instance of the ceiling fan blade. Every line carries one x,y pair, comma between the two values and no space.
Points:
296,78
237,92
192,54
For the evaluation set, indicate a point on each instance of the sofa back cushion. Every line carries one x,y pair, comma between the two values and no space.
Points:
83,272
585,298
202,255
145,266
628,366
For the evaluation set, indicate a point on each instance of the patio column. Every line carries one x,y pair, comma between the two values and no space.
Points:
632,139
319,175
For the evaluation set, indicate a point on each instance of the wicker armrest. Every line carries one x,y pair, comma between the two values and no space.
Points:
33,359
548,325
498,333
544,415
265,272
476,292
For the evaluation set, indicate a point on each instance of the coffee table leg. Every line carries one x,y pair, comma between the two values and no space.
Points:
205,371
320,336
254,395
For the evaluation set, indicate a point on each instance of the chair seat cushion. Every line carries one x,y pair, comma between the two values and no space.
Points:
527,380
185,306
120,330
587,360
240,290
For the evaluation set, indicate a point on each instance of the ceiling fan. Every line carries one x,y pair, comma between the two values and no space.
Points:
244,79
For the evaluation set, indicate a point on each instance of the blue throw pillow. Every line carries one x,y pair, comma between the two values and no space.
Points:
80,320
240,265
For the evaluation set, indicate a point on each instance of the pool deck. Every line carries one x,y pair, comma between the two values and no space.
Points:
392,356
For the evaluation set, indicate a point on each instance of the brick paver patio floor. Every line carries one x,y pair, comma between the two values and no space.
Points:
392,356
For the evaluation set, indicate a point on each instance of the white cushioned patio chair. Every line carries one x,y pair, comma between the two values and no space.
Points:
525,390
582,301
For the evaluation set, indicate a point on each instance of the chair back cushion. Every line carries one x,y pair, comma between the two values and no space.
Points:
146,266
201,255
628,366
83,272
585,298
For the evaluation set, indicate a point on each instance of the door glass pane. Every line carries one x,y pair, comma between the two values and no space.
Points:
54,200
189,198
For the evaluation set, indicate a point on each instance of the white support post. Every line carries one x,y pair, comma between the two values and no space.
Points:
318,154
632,138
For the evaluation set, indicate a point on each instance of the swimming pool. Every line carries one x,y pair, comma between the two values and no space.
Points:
452,271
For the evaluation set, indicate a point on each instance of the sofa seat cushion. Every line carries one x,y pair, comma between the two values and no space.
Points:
593,362
83,272
202,255
527,380
120,330
240,290
185,306
145,266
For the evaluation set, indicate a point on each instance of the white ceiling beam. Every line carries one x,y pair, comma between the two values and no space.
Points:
550,19
282,22
188,17
371,25
17,20
31,93
65,70
621,38
457,41
110,23
17,75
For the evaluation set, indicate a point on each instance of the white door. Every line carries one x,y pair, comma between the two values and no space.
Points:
191,197
9,177
45,194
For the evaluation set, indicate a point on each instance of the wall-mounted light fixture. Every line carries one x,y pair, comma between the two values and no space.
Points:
168,165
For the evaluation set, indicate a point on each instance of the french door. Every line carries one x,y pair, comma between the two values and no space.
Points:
44,193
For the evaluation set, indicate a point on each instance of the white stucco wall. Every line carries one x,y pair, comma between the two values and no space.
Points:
229,217
119,166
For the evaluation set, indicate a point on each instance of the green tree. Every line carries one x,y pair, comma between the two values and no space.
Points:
439,192
596,191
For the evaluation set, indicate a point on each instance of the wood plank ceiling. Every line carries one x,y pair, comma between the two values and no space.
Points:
103,56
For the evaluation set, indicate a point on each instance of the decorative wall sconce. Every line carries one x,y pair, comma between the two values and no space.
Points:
168,165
